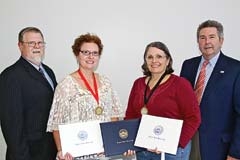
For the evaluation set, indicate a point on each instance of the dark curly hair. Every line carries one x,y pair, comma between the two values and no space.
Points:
86,38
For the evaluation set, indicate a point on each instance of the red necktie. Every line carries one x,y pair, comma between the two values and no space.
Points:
195,150
200,81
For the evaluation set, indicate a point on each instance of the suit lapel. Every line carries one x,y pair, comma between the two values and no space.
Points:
194,71
35,74
50,74
217,74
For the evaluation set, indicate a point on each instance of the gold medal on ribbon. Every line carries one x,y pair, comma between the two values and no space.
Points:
98,110
144,110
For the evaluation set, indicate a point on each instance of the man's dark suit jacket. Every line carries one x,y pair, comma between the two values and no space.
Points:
219,132
25,102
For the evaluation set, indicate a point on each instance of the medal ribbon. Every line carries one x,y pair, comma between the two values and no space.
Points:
95,95
146,99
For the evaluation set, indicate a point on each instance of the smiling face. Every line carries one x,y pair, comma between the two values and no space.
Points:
30,51
209,42
156,60
87,57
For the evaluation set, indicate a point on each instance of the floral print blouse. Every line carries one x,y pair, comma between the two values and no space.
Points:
72,103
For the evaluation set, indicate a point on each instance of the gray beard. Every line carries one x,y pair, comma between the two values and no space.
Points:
38,59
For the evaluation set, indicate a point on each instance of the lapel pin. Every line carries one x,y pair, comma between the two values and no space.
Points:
221,71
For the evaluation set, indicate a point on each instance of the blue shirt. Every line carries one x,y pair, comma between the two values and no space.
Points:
209,68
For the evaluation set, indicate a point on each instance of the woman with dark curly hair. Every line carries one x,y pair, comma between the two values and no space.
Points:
83,95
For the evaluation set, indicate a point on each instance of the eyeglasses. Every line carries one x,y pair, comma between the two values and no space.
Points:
158,57
33,43
88,53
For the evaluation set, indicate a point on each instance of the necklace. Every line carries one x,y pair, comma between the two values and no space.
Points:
144,109
98,109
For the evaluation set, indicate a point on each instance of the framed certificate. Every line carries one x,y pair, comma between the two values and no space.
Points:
158,132
119,136
81,139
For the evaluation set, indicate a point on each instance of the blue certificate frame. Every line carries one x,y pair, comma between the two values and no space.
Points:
119,136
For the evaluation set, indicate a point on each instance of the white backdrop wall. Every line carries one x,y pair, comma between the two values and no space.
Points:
125,27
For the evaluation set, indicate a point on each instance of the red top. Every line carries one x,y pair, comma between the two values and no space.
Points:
174,98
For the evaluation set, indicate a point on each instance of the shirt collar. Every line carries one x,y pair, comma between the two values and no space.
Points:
212,61
34,65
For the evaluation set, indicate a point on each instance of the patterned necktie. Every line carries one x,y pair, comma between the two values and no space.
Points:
195,150
200,81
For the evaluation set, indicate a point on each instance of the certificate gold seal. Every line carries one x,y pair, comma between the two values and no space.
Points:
144,110
98,110
123,133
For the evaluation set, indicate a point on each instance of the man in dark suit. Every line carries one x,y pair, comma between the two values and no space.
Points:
25,101
219,132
